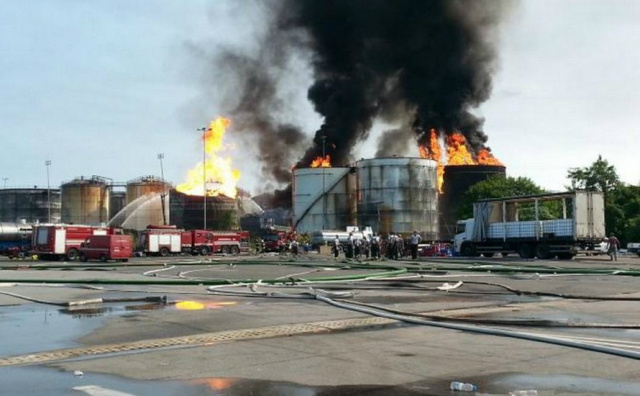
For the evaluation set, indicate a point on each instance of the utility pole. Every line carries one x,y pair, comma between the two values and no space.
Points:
204,174
5,182
164,190
324,196
47,163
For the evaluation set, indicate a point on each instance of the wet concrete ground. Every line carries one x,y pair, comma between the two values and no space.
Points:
383,360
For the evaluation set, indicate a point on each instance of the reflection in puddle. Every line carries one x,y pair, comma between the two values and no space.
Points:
199,305
100,310
19,381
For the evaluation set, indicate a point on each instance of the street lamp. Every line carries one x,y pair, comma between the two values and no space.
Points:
204,174
161,157
5,182
164,187
47,163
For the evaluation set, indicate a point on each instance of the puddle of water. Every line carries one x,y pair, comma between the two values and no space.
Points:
568,384
33,327
19,381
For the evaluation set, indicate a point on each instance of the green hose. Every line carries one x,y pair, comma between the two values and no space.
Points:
390,272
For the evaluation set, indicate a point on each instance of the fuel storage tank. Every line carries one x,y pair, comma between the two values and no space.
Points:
187,211
145,185
85,201
398,194
324,198
30,205
457,180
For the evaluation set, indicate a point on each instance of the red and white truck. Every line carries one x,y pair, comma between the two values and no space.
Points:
166,240
62,241
107,247
161,240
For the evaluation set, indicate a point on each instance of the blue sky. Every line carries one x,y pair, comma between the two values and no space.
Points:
101,87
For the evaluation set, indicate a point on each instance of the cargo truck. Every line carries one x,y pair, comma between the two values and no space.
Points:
107,247
543,226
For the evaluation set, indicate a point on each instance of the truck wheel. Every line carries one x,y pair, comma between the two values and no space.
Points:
565,256
164,252
103,258
467,250
204,250
72,254
22,254
235,250
487,255
83,258
525,251
225,249
504,254
543,252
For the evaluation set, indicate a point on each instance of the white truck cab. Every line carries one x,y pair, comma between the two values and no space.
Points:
462,233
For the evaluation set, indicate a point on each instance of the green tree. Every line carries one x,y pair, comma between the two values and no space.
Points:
497,187
622,202
599,176
622,213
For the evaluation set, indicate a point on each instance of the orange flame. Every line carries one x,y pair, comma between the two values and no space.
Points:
321,162
218,173
486,158
457,153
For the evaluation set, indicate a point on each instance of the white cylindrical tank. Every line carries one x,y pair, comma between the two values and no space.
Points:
398,195
323,198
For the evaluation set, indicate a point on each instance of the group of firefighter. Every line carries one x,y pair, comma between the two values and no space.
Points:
393,247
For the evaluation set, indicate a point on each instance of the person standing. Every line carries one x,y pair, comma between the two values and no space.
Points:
414,241
350,246
336,247
375,247
614,245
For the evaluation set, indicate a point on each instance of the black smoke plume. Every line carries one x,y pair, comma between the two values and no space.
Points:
432,60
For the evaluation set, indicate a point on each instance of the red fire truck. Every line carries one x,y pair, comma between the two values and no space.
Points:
161,240
62,241
166,240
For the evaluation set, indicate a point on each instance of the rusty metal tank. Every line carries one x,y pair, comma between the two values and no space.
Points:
398,194
29,204
85,201
324,198
145,185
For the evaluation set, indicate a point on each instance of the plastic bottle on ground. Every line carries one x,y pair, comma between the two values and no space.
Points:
464,387
527,392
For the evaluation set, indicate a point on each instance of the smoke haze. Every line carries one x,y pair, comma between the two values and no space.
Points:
415,64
